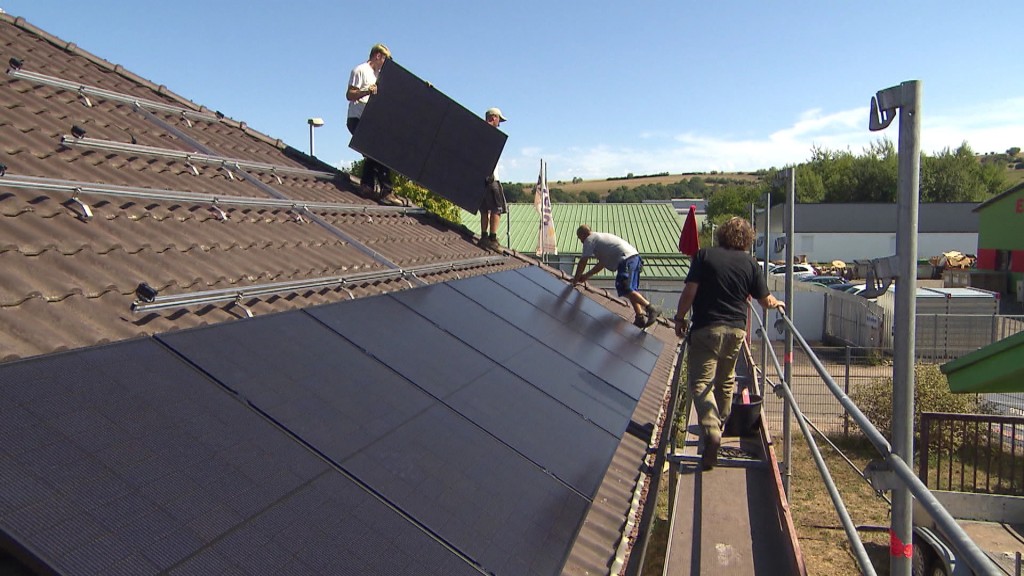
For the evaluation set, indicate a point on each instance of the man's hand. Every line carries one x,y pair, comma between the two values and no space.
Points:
682,326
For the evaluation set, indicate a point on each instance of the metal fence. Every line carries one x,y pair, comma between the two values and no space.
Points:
972,453
849,367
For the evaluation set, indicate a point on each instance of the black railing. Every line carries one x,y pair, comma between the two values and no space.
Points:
980,453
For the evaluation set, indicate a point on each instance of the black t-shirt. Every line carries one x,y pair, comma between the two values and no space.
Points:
725,278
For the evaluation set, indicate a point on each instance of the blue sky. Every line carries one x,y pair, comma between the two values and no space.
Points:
595,88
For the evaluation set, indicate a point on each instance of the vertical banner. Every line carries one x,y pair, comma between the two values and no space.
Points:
547,238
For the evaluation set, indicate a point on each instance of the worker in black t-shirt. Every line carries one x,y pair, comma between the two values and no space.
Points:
720,280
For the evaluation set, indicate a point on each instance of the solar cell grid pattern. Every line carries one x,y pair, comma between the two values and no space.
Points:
124,459
433,425
537,426
523,355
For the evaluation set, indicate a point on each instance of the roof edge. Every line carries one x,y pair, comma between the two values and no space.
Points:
1000,196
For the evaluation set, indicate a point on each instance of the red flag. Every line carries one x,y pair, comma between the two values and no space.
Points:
688,241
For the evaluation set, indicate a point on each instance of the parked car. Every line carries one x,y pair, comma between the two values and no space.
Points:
824,280
843,286
799,270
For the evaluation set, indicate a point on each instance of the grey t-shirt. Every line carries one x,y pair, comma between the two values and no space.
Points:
609,249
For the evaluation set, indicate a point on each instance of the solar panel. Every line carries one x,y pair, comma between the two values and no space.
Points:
124,459
417,131
506,406
507,513
532,318
533,361
460,482
590,320
292,367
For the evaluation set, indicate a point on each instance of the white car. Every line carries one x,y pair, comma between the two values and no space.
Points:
799,270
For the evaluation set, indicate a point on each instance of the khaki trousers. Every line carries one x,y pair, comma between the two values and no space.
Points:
713,351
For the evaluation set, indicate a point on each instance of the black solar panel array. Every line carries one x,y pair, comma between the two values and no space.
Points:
451,429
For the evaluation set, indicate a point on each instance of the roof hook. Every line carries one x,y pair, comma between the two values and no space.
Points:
221,215
85,99
238,302
227,168
273,172
86,214
190,165
185,118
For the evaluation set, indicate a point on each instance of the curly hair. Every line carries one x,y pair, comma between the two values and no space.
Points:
736,234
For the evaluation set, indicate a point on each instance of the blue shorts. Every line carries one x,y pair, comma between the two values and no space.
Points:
627,277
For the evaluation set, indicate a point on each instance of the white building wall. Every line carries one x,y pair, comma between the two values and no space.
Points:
826,247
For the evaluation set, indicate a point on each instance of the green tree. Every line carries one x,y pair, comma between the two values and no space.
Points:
957,176
730,201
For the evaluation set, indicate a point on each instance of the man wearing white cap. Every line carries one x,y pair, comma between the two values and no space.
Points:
493,204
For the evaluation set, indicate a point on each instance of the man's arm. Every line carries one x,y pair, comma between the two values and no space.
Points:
353,93
579,277
683,308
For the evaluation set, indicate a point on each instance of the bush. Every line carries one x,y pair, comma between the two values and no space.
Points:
931,394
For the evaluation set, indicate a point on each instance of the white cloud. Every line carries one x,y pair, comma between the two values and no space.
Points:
992,127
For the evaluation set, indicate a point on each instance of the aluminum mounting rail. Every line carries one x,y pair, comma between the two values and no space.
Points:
86,91
236,294
191,158
79,188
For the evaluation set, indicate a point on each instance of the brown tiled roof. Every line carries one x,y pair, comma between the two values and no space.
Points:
183,226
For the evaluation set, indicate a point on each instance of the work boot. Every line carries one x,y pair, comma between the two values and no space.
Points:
641,321
652,314
709,459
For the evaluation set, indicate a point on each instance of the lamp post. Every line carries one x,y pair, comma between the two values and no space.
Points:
313,123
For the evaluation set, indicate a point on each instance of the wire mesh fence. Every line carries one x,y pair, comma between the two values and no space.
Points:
849,367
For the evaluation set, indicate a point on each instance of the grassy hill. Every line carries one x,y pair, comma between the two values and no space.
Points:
605,186
1014,175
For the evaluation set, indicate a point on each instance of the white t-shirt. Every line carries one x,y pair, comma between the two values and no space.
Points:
609,249
362,77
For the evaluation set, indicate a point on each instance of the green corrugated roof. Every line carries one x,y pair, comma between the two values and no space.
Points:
993,368
653,228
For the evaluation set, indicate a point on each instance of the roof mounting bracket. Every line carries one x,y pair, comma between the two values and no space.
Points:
86,213
185,119
273,172
85,99
238,303
227,168
191,166
221,215
351,296
404,275
296,213
879,276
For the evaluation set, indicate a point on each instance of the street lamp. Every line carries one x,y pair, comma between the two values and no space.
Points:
313,123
